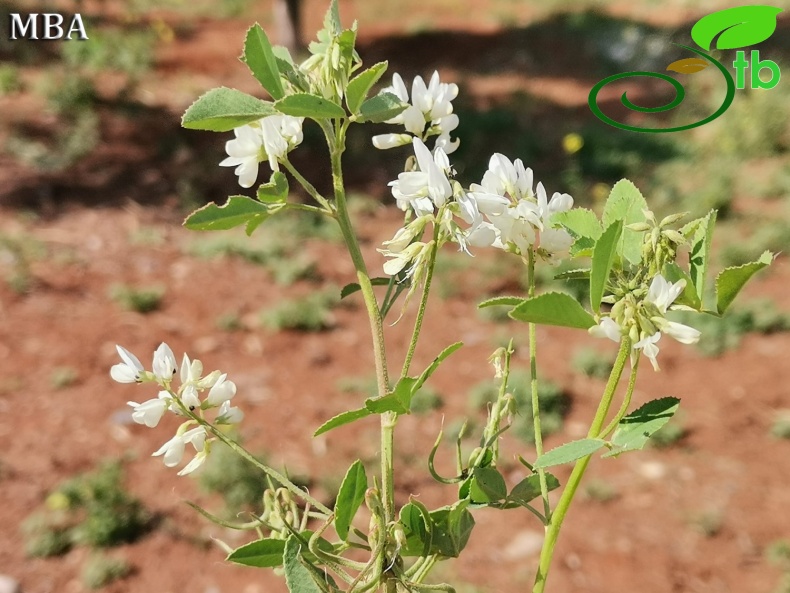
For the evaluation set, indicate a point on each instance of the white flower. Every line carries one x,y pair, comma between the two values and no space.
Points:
150,412
648,346
385,141
401,259
426,188
128,371
194,464
682,333
173,450
431,105
222,391
607,328
229,415
164,365
662,294
270,138
244,153
506,180
191,370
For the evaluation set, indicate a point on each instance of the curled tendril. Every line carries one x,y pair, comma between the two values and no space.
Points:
680,94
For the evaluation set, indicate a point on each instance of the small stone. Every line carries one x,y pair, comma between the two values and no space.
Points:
9,585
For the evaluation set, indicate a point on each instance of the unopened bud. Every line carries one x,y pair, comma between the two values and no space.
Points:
672,219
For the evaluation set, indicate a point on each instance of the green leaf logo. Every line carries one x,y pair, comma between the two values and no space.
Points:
736,27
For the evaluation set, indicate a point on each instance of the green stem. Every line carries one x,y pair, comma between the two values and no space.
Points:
626,401
337,146
426,289
309,188
533,366
272,473
555,522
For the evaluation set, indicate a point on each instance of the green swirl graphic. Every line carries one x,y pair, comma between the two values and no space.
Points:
680,93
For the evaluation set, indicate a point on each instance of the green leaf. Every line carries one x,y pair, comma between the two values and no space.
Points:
307,105
739,27
412,517
223,109
626,203
380,108
332,23
487,485
582,247
260,59
700,235
435,364
350,497
510,301
264,553
689,297
603,257
360,85
236,211
569,452
299,577
350,289
580,222
636,428
451,529
528,489
554,308
731,280
275,191
342,419
580,274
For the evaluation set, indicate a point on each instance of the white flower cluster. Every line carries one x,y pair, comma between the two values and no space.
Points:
644,322
269,139
430,113
503,211
186,397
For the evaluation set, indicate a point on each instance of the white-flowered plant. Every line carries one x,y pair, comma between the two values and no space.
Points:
637,269
185,400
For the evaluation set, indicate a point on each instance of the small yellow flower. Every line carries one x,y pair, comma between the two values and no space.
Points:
572,143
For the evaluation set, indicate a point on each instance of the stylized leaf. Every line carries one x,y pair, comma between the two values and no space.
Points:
260,59
380,108
731,280
603,257
360,85
264,553
342,419
236,211
634,430
741,26
688,65
626,203
554,308
223,109
307,105
350,497
569,452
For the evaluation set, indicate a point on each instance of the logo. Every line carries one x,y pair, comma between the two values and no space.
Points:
732,28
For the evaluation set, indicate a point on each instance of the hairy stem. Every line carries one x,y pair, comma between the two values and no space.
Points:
557,518
533,367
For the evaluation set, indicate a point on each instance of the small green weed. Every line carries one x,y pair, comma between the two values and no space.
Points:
781,426
230,322
141,300
62,377
426,400
708,522
592,362
101,570
778,553
92,509
310,313
600,491
239,482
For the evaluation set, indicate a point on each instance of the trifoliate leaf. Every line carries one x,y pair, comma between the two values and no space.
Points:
699,233
380,108
264,553
275,191
603,257
487,485
236,211
342,419
307,105
528,489
299,576
634,430
580,222
360,85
